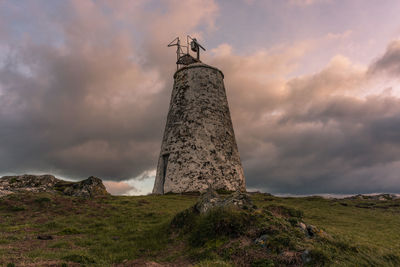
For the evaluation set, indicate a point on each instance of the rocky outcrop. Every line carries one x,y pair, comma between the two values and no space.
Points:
27,183
312,231
266,236
89,187
211,199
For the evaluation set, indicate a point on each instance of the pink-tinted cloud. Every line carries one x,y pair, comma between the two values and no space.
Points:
88,98
118,188
306,2
86,91
311,133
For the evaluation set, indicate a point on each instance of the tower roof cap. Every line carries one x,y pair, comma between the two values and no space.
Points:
198,65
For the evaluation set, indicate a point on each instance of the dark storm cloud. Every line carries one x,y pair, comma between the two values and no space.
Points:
390,62
80,96
79,109
314,133
324,152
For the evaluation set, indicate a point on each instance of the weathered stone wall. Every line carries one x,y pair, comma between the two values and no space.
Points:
199,146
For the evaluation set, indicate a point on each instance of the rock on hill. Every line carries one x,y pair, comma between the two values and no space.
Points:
380,197
89,187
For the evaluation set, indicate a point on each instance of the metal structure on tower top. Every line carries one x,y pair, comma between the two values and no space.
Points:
185,58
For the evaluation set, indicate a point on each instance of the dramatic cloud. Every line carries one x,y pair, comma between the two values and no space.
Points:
85,88
314,133
389,63
119,188
92,101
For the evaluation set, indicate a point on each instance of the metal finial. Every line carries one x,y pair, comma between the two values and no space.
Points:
181,57
195,46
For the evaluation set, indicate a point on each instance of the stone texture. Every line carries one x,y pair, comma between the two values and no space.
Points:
312,231
89,187
303,226
207,201
210,199
199,149
262,240
27,183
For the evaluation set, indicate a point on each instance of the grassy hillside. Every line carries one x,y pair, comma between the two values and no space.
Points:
130,231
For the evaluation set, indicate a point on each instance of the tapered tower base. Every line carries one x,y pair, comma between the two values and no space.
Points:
199,147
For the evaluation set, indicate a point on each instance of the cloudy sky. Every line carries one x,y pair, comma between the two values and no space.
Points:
313,88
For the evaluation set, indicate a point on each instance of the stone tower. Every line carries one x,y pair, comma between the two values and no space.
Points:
199,147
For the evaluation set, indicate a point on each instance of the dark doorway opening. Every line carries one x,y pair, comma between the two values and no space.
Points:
164,170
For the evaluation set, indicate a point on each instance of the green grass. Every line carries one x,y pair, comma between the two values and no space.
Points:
112,230
367,236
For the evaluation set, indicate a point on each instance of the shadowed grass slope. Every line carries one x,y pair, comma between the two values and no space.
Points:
118,230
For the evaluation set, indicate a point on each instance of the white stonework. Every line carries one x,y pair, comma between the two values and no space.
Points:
199,147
